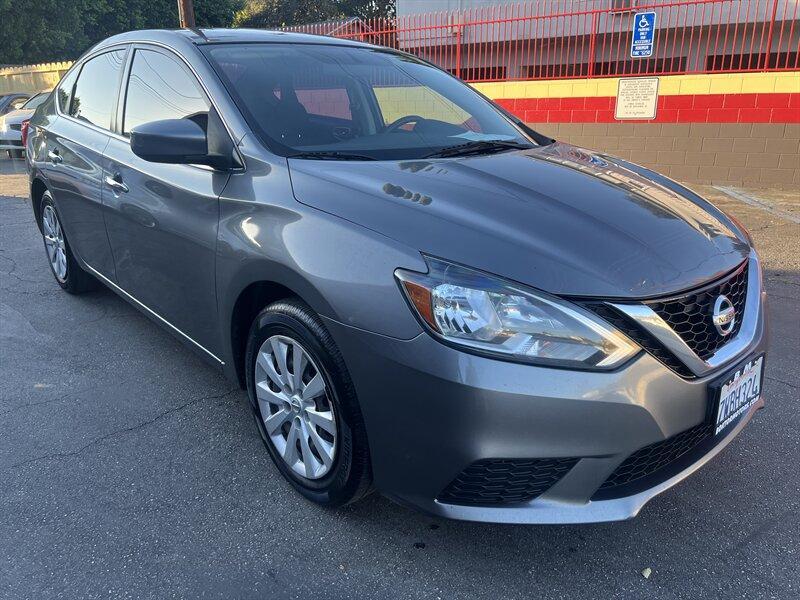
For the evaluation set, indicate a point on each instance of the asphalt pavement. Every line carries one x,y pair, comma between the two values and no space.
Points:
131,469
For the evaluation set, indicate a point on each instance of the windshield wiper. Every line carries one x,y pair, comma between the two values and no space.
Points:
330,155
478,147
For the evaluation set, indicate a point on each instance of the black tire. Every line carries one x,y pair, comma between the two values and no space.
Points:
76,280
14,154
350,476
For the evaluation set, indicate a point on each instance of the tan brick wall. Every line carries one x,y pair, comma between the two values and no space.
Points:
762,154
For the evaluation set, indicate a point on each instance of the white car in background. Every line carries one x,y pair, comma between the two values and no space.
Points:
11,125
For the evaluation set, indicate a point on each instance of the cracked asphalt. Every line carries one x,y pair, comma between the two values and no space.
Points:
131,469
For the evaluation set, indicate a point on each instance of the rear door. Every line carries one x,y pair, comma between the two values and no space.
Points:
162,219
75,143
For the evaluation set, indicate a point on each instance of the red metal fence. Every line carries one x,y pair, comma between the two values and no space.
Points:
547,40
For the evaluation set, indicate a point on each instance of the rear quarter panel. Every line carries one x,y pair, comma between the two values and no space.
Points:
36,148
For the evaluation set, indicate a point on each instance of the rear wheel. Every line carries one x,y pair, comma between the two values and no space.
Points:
12,154
68,273
305,405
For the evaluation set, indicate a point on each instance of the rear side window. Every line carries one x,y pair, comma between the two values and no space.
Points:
65,89
95,92
160,87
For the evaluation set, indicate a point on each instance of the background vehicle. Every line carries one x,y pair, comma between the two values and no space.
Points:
11,125
13,101
420,293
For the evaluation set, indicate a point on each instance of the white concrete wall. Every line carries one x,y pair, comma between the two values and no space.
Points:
413,13
566,40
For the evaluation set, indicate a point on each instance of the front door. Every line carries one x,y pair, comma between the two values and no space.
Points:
162,219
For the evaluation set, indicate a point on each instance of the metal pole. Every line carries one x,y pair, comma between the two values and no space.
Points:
765,64
458,48
186,13
593,43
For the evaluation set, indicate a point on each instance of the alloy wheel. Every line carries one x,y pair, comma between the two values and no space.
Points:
295,406
54,242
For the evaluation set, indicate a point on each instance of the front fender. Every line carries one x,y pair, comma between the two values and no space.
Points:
343,271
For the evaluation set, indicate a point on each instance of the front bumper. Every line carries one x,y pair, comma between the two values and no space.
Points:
431,411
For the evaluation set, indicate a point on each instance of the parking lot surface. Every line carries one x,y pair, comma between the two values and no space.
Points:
131,469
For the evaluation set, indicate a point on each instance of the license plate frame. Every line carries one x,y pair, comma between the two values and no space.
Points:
736,392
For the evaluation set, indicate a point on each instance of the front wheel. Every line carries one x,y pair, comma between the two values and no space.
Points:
305,405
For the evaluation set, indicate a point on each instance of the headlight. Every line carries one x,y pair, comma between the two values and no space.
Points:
489,315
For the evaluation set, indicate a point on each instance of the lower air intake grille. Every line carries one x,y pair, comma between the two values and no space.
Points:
505,481
653,458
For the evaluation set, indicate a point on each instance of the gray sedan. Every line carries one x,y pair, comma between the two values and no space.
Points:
422,295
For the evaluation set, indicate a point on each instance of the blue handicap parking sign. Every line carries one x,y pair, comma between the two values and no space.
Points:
644,27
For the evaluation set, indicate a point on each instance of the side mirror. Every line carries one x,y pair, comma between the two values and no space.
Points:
185,141
174,141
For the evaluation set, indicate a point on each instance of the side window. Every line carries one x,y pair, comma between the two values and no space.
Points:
93,99
160,87
65,89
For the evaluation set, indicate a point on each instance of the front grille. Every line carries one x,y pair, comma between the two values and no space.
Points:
505,481
649,460
690,315
15,127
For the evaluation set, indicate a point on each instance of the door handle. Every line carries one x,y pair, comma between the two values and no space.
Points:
54,157
115,183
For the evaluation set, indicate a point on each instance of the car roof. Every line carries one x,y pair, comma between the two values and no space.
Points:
179,37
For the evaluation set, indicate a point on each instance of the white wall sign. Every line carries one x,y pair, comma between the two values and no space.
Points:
637,98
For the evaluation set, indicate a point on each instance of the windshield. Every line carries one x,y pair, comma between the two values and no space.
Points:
310,100
35,101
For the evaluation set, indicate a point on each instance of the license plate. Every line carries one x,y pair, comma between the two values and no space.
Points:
739,392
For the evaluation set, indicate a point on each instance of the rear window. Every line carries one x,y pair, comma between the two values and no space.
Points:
65,89
325,101
35,101
18,103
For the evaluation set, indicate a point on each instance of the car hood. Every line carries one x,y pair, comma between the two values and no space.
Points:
558,218
17,116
